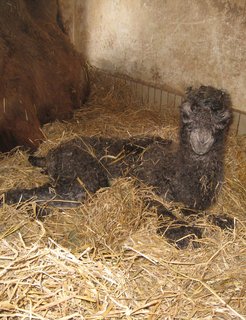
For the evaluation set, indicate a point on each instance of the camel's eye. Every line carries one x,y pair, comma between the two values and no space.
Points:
186,118
186,112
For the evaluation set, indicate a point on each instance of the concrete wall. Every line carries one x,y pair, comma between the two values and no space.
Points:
172,43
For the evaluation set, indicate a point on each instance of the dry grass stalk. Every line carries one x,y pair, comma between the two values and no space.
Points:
104,259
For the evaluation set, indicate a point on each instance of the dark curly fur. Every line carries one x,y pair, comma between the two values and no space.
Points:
190,172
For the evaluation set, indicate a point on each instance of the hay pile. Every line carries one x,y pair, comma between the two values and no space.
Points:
104,260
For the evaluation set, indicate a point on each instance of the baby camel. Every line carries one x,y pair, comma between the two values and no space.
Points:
190,172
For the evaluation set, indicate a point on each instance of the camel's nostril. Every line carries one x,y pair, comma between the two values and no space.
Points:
204,140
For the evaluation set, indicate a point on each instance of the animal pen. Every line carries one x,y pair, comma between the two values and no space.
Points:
104,259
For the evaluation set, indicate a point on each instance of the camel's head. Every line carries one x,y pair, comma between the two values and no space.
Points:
205,117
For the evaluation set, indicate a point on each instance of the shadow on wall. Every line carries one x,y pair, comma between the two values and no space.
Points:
73,15
109,34
172,43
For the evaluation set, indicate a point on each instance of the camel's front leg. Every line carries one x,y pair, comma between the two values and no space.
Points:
177,231
62,195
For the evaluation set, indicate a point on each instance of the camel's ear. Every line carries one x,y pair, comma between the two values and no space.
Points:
186,112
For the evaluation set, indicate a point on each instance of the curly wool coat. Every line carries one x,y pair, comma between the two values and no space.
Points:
190,172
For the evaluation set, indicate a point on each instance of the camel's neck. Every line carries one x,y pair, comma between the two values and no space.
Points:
200,177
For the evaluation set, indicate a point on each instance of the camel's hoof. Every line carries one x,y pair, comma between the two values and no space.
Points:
223,221
189,212
181,234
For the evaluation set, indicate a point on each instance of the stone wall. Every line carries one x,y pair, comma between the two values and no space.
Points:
169,44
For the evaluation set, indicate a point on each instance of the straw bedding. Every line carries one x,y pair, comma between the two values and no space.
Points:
104,259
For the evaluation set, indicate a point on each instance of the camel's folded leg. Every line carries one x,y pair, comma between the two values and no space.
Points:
176,231
40,194
181,232
67,195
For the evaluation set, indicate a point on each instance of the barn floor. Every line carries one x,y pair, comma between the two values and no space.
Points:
104,259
